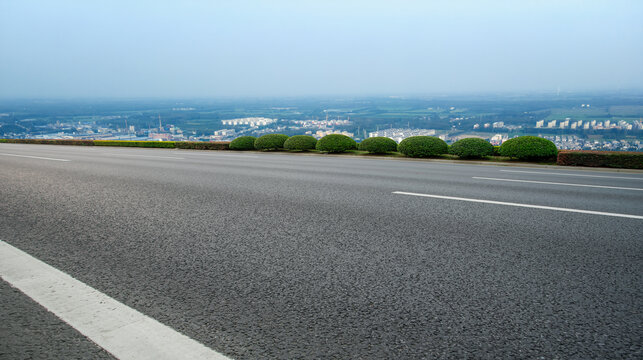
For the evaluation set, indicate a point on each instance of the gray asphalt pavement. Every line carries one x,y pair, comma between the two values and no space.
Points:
261,255
28,331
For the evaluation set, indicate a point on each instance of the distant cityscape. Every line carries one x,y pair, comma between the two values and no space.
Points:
570,125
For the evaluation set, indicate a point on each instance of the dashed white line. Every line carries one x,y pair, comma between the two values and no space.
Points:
119,329
567,174
34,157
521,205
557,183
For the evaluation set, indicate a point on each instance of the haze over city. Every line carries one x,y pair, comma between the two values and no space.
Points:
120,49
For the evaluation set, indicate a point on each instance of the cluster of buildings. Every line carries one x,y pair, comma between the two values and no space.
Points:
589,124
401,134
573,142
493,125
249,121
257,126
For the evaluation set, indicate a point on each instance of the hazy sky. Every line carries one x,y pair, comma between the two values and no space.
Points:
323,47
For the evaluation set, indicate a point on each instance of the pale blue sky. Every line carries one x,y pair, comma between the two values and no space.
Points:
300,48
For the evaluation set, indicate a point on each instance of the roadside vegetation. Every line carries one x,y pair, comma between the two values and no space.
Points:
243,143
270,142
521,149
336,143
471,148
378,145
423,146
300,143
529,148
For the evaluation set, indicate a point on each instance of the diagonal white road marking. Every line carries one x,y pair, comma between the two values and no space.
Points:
117,328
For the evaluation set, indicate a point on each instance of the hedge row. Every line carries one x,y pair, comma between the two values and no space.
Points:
613,159
200,145
49,141
130,143
126,143
524,147
272,142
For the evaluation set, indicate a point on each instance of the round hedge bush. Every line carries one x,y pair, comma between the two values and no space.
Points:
270,142
528,148
422,146
471,148
243,143
300,142
378,145
336,143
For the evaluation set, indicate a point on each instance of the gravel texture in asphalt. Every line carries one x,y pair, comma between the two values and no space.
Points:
27,331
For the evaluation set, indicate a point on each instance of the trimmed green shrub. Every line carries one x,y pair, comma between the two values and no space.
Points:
422,146
270,142
496,151
300,142
336,143
128,143
528,148
201,145
378,145
49,141
613,159
243,143
471,148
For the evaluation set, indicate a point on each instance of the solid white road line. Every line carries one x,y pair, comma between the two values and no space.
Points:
557,183
149,156
521,205
34,157
119,329
566,174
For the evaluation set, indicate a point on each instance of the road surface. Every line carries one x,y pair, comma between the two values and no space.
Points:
264,255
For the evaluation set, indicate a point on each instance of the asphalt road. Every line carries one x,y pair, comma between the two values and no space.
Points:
260,255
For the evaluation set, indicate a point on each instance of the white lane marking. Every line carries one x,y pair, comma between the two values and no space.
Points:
566,174
119,329
149,156
557,183
34,157
521,205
